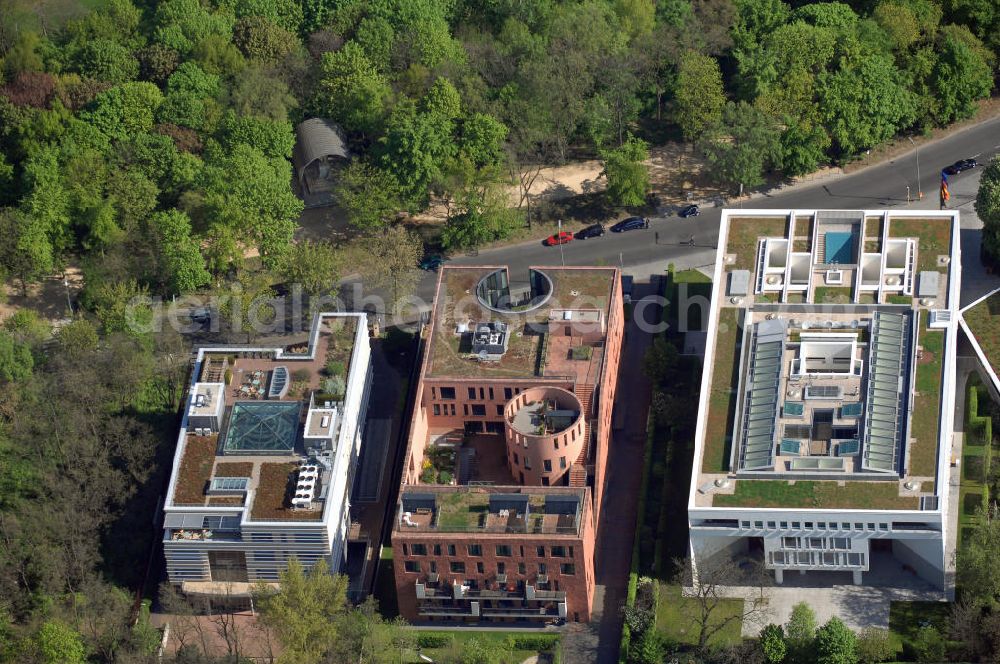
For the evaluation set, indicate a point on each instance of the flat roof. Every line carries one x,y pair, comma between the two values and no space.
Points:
267,395
501,510
829,370
533,299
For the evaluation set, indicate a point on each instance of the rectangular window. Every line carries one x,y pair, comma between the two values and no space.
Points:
790,542
507,393
540,551
547,465
437,409
501,568
521,569
437,549
796,525
434,393
770,525
465,409
784,524
527,465
491,394
434,566
472,393
451,549
482,395
815,542
759,525
744,524
457,567
418,549
406,548
541,568
447,392
567,569
517,461
503,550
412,566
479,568
562,463
479,409
475,549
808,525
499,410
840,543
517,390
558,552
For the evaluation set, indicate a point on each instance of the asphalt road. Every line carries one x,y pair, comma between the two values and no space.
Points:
645,252
880,186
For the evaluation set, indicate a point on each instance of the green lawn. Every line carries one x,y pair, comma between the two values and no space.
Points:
975,458
832,294
934,236
673,618
906,619
722,397
744,232
818,494
899,299
926,406
983,322
495,642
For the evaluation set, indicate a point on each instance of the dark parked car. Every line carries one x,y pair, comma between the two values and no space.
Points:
597,230
689,211
431,263
630,224
960,165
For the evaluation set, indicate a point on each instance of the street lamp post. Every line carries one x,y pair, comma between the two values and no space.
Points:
562,257
69,302
920,191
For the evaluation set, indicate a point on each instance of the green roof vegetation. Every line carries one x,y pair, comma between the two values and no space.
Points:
272,500
934,234
832,294
744,233
817,494
925,419
195,470
461,510
722,394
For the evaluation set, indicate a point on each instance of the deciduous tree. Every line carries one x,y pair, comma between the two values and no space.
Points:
698,95
836,643
628,177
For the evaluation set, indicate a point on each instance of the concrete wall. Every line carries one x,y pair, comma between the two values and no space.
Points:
926,557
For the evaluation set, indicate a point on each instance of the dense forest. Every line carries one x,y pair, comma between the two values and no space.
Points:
147,143
152,140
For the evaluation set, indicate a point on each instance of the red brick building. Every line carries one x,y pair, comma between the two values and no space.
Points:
505,465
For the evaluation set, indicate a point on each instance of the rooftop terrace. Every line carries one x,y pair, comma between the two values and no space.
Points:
548,511
256,431
807,404
531,351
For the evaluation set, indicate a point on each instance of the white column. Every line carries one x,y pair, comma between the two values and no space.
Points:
779,576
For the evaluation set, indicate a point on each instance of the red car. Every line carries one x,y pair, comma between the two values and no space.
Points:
559,238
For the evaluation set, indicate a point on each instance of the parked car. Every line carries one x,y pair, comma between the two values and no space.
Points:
561,237
432,262
630,224
960,165
597,230
689,211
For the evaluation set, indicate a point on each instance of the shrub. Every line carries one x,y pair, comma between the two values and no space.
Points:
335,387
301,375
534,641
432,640
335,368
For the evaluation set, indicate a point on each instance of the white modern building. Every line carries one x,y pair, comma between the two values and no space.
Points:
825,423
266,458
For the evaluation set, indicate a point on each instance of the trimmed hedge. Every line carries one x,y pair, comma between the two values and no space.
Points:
432,640
981,425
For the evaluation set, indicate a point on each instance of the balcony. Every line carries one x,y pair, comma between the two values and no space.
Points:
457,611
202,536
517,612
